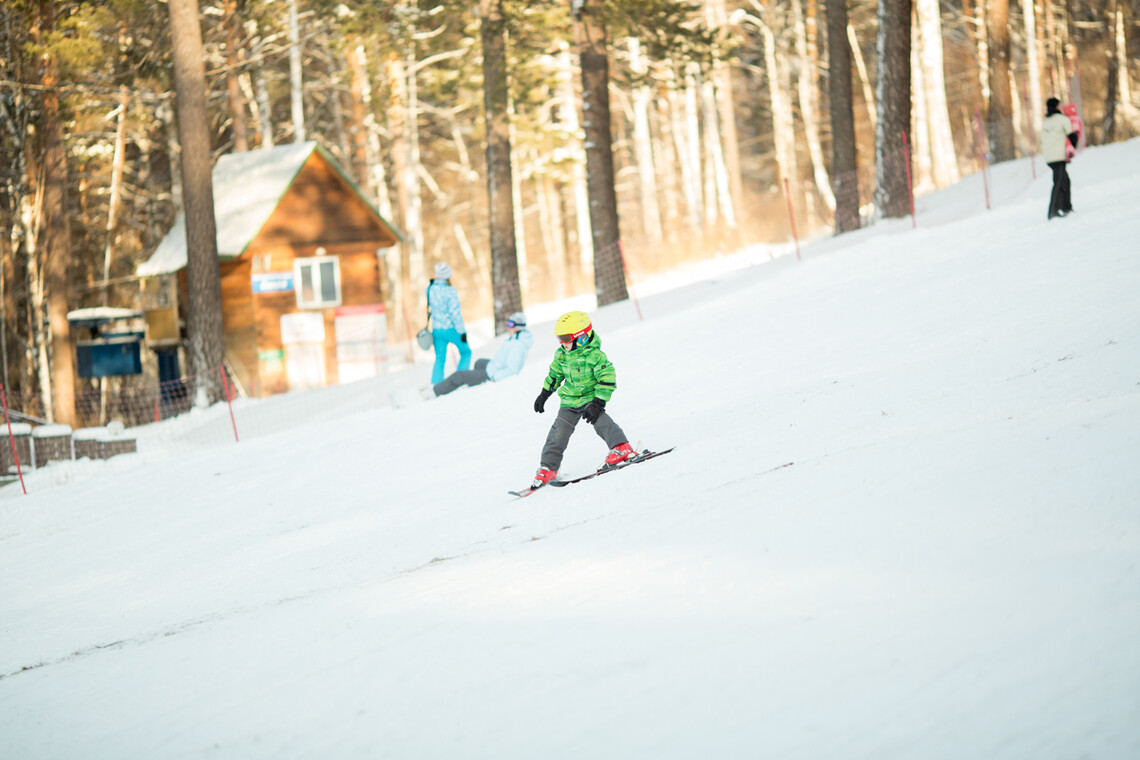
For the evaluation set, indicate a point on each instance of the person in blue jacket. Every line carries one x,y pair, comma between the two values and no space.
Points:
508,360
447,325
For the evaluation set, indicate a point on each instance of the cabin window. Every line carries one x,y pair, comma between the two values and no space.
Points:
318,282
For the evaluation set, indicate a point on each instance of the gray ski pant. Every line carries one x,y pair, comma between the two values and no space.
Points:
560,432
459,378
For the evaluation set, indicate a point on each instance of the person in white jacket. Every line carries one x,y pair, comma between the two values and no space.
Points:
508,360
1056,130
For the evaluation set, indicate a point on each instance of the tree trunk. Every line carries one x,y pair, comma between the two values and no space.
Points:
920,153
568,110
708,151
808,92
296,79
506,294
783,127
1032,60
53,231
717,14
519,217
550,220
892,96
981,34
1118,108
844,175
692,137
405,302
944,167
204,305
688,165
1000,103
643,144
261,87
719,206
115,191
864,78
233,87
366,134
590,38
357,86
416,266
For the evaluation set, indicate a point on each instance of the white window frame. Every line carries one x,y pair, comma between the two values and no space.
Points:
314,264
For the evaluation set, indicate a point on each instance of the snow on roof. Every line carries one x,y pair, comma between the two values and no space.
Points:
100,314
247,188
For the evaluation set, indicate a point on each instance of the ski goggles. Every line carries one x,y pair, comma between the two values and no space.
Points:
580,338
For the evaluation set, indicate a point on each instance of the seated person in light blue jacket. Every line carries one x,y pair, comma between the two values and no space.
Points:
508,360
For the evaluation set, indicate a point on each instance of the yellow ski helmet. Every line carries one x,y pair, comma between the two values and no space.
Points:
573,329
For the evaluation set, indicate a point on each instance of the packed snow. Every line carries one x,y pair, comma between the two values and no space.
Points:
902,521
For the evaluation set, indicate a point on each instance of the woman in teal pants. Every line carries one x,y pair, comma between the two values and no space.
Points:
447,325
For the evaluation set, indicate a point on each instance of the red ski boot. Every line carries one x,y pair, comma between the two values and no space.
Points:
619,454
542,477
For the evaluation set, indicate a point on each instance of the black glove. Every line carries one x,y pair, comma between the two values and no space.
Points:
463,337
593,410
540,402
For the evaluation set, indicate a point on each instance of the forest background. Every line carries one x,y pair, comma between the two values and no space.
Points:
470,126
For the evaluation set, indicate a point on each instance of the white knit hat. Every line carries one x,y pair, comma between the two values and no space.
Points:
442,271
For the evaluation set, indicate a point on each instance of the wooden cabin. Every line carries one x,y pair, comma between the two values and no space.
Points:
304,284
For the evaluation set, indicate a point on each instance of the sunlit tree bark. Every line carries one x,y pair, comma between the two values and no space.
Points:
1000,117
52,230
893,102
643,143
204,304
944,163
843,146
590,37
507,297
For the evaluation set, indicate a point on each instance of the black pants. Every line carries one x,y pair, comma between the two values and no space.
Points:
462,377
1059,202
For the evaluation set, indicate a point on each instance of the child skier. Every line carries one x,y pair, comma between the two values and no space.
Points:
585,381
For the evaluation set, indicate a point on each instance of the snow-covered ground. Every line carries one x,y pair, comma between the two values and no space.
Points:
902,521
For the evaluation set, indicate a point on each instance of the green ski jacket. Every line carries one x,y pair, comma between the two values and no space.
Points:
581,375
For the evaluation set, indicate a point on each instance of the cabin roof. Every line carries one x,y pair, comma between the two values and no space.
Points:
248,186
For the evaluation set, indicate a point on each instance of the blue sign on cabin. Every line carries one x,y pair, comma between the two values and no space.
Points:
272,282
110,355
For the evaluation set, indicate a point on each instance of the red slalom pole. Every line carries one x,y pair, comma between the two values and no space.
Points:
226,386
909,182
12,439
792,218
629,282
982,157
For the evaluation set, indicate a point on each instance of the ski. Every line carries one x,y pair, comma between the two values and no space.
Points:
643,456
522,493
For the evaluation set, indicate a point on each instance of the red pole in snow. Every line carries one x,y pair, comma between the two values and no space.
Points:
12,439
226,385
982,156
629,281
792,218
909,183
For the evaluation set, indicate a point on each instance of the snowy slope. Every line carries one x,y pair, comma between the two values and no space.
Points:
947,569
